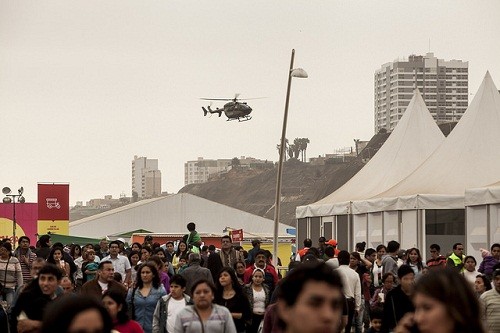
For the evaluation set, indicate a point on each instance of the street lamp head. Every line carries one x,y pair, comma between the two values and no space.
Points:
6,190
21,199
7,200
20,191
298,72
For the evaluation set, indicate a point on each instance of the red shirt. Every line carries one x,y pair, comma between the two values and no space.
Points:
302,252
130,326
247,277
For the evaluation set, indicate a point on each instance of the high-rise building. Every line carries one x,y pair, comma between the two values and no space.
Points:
199,171
146,178
444,85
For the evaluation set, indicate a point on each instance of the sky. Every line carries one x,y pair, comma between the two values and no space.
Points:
86,85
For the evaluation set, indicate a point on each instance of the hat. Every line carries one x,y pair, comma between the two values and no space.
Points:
332,242
121,240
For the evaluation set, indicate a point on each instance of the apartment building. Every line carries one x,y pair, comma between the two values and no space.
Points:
444,85
146,178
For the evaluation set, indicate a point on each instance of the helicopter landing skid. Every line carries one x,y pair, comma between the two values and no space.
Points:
241,119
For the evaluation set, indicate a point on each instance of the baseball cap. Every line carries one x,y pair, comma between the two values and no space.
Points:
332,242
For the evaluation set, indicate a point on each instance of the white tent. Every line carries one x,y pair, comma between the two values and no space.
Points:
413,140
468,158
171,214
484,195
483,217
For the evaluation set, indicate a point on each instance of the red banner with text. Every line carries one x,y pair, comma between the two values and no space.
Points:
53,202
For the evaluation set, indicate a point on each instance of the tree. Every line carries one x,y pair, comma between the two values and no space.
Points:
293,151
382,130
278,146
135,196
235,162
290,151
305,142
301,144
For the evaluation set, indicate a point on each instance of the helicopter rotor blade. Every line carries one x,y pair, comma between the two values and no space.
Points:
216,99
235,98
249,99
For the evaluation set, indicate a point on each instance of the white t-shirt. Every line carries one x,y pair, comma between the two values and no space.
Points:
470,276
120,264
333,263
104,286
377,275
174,306
259,301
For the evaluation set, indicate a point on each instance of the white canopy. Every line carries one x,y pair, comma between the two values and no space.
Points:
468,158
171,214
483,195
413,140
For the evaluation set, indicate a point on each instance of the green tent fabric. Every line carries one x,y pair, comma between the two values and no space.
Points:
66,239
129,234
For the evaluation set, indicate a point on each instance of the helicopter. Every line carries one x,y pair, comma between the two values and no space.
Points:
234,109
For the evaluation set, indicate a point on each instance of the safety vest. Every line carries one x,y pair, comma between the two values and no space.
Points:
456,259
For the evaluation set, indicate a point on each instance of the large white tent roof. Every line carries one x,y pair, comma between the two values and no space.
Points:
468,158
171,214
413,140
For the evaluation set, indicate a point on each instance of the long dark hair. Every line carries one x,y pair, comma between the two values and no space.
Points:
420,265
73,250
156,276
486,282
119,298
178,253
234,283
61,312
133,252
50,258
451,289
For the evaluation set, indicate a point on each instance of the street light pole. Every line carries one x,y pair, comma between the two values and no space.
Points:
11,198
291,73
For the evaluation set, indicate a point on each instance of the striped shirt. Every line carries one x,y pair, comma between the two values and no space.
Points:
490,301
10,273
25,268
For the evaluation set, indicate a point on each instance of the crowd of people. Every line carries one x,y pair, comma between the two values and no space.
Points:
187,286
388,289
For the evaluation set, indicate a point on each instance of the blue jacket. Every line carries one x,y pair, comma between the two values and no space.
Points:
143,308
